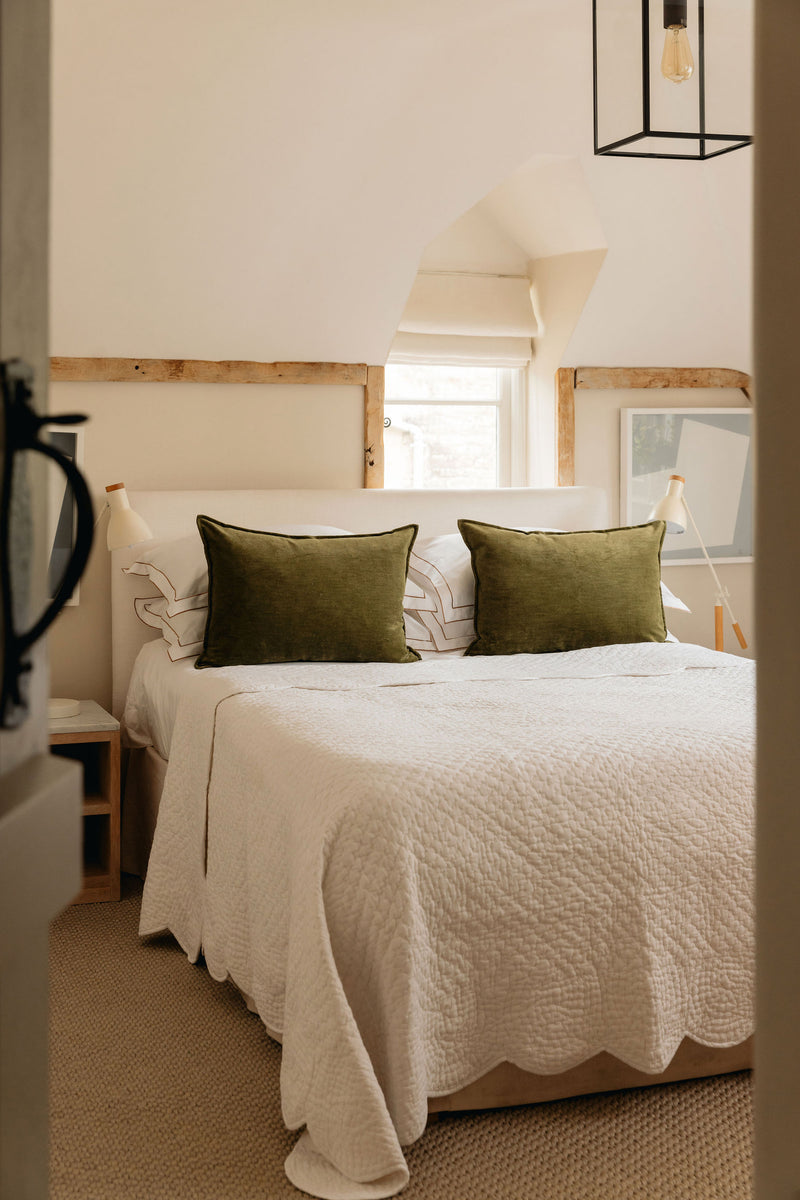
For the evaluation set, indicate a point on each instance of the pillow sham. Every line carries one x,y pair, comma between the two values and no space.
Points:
178,568
415,599
285,598
536,593
183,632
670,600
418,637
447,635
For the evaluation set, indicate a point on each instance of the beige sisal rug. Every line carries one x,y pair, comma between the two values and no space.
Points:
164,1087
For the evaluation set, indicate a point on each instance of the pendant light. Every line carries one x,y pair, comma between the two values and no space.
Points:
650,96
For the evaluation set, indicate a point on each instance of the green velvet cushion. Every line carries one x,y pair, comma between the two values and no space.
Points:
540,592
275,598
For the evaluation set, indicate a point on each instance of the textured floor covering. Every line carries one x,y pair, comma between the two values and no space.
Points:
164,1087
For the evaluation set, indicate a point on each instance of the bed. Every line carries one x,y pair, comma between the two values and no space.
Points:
457,883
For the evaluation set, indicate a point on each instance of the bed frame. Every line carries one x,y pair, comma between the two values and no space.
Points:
172,514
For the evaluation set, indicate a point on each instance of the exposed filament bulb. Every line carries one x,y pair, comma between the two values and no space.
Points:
677,63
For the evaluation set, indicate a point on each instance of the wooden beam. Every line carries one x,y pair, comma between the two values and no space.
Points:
622,378
604,378
194,370
565,426
373,427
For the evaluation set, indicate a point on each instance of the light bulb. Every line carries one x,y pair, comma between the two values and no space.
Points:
677,63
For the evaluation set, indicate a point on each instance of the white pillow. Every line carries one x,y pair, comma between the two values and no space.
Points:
417,636
442,569
671,601
448,635
415,599
183,631
178,567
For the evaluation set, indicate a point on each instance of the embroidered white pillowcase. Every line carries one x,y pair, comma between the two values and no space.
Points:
183,632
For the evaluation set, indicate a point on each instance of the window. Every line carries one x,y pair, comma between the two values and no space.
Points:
454,427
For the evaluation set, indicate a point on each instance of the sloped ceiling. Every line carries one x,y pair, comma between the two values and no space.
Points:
541,210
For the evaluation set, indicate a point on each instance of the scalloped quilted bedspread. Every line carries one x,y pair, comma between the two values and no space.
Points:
418,871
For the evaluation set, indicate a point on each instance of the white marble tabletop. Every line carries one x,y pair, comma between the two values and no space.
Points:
91,719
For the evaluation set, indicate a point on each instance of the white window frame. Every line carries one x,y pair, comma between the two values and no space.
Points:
512,425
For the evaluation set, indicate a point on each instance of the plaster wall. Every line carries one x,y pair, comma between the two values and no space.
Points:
675,287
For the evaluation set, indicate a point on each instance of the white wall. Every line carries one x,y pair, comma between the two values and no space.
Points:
561,285
675,287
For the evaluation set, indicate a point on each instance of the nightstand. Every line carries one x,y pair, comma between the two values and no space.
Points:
92,739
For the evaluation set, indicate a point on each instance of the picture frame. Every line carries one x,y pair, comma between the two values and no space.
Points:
61,514
712,449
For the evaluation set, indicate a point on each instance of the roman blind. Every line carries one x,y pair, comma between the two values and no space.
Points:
460,317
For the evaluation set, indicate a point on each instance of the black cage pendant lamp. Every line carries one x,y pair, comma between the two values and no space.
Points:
669,77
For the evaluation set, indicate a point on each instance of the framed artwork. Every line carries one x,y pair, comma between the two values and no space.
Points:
61,508
712,449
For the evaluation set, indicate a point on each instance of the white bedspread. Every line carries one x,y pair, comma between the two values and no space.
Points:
420,871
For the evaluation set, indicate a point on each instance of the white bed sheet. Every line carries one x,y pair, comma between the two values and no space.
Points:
156,689
158,685
528,859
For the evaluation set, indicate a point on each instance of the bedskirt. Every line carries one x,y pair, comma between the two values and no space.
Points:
144,773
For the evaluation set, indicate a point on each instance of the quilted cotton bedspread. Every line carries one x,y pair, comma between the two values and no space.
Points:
419,871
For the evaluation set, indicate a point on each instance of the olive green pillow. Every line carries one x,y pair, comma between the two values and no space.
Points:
275,598
540,592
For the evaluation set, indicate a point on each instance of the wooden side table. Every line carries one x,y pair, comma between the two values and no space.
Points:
92,738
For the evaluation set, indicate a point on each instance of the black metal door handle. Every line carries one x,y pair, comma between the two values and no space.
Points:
22,428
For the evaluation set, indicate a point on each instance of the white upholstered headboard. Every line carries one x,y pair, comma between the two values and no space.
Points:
172,515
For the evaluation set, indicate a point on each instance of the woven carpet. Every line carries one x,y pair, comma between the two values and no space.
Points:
164,1087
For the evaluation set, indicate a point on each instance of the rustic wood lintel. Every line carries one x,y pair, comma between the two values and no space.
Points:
196,370
600,378
568,379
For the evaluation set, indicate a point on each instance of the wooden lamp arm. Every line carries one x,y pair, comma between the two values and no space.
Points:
722,594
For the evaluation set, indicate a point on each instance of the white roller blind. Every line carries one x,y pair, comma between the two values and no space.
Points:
447,349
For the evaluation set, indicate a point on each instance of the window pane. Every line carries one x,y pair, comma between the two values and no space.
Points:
441,445
440,383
